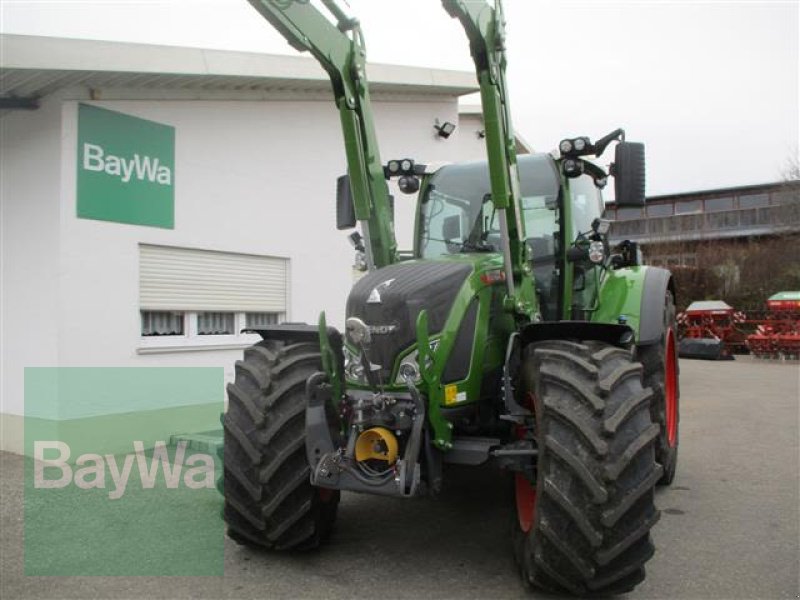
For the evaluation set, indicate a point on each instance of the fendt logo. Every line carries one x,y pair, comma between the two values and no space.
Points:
141,167
126,168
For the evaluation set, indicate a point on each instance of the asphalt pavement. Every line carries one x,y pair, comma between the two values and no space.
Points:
729,526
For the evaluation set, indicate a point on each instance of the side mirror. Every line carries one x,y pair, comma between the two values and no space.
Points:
345,212
451,228
629,174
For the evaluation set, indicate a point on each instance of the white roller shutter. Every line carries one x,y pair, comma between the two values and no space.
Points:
202,280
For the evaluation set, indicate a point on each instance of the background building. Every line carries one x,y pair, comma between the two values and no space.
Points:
736,213
735,244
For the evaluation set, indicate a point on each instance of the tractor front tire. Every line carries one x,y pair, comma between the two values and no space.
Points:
661,374
269,500
587,528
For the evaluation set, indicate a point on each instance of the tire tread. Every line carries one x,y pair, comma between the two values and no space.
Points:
596,470
269,501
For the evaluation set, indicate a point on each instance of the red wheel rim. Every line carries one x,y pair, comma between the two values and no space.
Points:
525,491
526,502
671,390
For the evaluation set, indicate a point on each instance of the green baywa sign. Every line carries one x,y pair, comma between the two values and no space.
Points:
126,168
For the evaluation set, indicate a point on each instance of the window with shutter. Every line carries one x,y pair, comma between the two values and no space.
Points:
191,297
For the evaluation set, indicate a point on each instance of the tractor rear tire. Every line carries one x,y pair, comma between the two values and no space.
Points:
665,409
269,500
593,503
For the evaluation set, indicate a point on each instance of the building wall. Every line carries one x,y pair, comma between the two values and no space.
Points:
30,276
470,145
731,213
253,177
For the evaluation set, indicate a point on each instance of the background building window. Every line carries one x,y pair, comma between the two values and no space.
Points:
256,320
753,200
197,298
688,206
161,322
216,323
786,196
715,204
659,210
188,326
628,212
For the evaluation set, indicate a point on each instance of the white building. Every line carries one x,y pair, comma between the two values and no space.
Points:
241,227
471,141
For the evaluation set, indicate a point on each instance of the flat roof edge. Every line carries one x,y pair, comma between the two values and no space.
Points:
73,54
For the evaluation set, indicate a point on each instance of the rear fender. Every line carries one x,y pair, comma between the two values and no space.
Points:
634,296
610,333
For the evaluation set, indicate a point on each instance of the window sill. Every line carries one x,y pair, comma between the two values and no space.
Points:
194,345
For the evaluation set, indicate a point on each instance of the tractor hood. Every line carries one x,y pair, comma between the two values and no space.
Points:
389,300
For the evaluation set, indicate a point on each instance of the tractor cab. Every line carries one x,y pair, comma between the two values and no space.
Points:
456,216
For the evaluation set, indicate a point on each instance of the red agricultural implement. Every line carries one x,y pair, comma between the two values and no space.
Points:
777,333
716,331
710,329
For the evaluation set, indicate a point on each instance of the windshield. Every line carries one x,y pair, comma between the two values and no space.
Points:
451,225
453,213
457,215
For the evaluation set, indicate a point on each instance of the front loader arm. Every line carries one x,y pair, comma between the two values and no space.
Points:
343,57
485,29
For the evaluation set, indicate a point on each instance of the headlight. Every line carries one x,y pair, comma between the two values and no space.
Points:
408,184
408,367
572,167
597,252
357,331
353,369
408,370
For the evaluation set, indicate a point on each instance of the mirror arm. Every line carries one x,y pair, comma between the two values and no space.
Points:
601,144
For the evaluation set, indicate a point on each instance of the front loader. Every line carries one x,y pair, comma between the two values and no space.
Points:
512,335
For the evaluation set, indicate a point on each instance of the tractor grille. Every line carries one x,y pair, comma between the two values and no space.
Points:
404,289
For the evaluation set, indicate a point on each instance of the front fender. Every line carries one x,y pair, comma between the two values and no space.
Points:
635,296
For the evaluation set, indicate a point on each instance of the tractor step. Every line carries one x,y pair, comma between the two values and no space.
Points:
470,450
477,450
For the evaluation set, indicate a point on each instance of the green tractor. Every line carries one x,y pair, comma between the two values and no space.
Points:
513,334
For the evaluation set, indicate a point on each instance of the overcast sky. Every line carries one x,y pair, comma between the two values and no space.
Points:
711,88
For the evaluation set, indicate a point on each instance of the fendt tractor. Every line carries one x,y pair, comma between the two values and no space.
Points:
513,334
